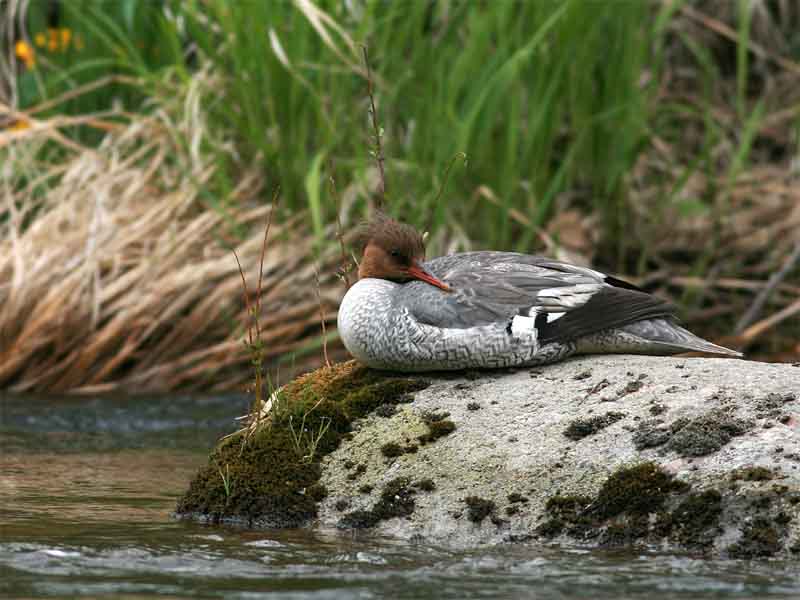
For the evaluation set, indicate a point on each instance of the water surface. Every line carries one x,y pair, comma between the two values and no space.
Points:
87,486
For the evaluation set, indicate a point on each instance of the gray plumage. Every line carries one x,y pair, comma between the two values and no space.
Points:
505,309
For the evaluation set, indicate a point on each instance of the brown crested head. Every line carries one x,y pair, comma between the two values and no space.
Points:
393,250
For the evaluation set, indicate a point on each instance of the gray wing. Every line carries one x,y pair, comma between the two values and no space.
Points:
567,301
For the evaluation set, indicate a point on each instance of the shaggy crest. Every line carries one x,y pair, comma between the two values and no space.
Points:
389,233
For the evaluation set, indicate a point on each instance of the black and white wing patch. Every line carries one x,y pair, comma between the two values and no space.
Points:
610,308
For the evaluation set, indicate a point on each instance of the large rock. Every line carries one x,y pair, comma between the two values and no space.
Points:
690,453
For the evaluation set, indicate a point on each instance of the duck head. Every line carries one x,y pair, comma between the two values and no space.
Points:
394,251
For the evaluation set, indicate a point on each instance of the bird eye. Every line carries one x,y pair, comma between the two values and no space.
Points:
395,253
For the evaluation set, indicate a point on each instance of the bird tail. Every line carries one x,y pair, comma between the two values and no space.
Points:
656,336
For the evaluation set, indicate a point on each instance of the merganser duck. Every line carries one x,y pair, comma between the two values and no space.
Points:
493,309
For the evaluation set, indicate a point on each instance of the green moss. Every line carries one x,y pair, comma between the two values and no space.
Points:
551,528
620,513
437,429
363,401
759,538
695,521
244,482
357,472
633,505
692,437
771,405
396,500
386,410
624,533
431,416
260,478
706,434
478,508
567,514
650,434
393,449
426,485
640,489
567,507
317,492
752,474
358,519
581,428
699,511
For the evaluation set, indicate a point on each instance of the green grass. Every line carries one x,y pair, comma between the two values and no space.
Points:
542,97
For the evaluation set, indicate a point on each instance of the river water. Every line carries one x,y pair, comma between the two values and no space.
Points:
87,486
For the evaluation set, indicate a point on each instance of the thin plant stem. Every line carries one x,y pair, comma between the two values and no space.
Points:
439,195
344,270
378,149
322,319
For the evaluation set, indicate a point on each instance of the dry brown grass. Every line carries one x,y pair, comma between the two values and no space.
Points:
754,232
114,275
746,240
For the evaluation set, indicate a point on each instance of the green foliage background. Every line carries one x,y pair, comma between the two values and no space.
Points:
547,100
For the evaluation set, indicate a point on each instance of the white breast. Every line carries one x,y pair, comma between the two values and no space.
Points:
364,316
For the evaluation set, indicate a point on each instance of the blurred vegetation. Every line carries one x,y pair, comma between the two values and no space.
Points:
645,137
545,98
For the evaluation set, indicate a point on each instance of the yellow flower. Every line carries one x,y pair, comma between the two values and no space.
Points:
40,39
25,53
66,36
20,124
52,41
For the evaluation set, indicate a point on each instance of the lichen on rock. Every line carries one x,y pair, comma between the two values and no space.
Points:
707,433
696,436
478,508
635,505
584,427
396,500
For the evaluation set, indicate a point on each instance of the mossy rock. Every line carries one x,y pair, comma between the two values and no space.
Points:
269,477
619,514
479,508
699,436
695,521
261,479
640,489
437,429
396,500
581,428
760,538
756,473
